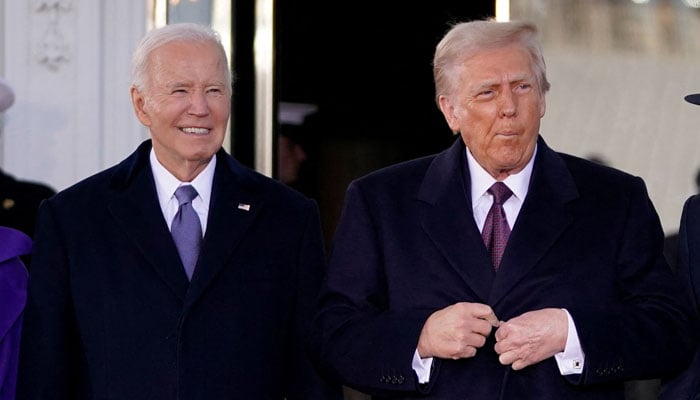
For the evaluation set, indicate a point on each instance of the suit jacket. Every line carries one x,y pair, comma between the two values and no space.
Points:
686,385
13,294
111,314
587,239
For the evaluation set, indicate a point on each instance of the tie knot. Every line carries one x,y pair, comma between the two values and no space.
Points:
500,192
185,194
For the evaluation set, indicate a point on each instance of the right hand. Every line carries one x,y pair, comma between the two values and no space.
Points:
456,331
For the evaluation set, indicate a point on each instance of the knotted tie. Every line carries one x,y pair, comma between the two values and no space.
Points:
496,229
186,229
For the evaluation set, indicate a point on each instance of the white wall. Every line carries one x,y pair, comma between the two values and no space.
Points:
68,61
619,72
629,110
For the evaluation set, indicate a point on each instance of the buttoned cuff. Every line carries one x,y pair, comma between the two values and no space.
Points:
570,361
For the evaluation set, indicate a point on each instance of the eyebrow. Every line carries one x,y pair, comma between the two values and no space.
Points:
516,78
177,84
180,84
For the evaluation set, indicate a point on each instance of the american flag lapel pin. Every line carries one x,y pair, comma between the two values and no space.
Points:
244,206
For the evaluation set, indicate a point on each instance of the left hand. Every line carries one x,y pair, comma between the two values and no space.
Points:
531,337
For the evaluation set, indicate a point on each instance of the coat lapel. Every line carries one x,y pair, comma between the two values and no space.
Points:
446,217
233,208
136,210
542,219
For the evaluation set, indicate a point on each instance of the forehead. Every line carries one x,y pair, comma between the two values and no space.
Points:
187,58
512,62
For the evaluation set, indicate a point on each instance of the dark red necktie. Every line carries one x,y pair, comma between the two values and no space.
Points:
496,229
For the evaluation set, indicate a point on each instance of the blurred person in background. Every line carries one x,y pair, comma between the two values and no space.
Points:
294,131
686,385
19,199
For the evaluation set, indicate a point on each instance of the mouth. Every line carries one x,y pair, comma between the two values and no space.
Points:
195,131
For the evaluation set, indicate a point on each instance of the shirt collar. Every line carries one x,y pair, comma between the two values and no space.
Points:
481,181
167,183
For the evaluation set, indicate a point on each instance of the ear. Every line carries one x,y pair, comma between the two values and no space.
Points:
138,101
543,106
449,112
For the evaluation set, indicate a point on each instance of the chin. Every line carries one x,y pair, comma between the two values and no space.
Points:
200,152
510,158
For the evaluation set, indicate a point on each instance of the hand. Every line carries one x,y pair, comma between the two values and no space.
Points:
531,337
456,331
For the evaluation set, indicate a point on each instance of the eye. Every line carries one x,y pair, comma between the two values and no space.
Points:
523,86
486,94
215,90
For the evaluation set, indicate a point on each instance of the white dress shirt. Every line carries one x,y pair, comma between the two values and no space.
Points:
167,183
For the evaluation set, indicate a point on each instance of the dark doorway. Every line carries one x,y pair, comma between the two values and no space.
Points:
366,65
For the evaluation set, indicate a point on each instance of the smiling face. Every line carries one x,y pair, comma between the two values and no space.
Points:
185,104
497,109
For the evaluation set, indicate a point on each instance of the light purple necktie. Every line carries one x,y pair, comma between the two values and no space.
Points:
496,229
186,229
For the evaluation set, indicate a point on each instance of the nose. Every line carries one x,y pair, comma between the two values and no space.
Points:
198,104
507,106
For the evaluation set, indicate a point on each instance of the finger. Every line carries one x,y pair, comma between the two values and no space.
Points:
482,311
476,340
491,319
507,358
505,347
481,327
500,348
469,351
518,365
501,333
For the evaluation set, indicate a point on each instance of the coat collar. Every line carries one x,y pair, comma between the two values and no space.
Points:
233,207
447,218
